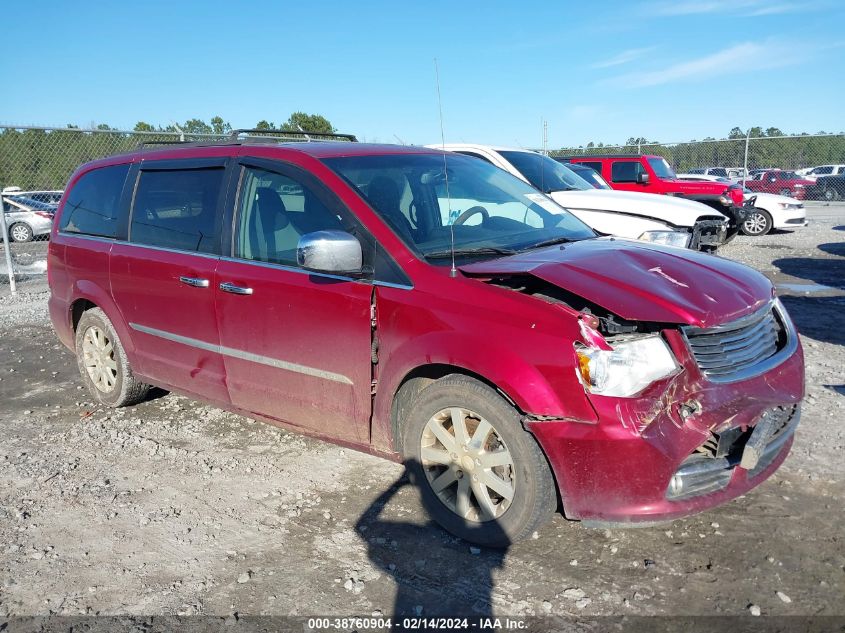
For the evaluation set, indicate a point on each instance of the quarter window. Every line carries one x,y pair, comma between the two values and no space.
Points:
625,171
177,209
93,204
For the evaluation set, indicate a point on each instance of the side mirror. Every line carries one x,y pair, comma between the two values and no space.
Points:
642,178
330,252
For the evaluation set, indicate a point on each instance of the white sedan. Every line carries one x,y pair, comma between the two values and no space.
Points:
771,211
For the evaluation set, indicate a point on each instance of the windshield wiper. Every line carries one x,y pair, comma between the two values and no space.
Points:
551,242
463,252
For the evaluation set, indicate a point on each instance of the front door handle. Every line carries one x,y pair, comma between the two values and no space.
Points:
235,290
194,281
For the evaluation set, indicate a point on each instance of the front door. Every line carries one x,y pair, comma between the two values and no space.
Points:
296,345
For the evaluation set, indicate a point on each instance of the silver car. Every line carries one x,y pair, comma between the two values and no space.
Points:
27,219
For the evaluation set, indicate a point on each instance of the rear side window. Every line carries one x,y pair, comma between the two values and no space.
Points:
93,204
625,171
177,209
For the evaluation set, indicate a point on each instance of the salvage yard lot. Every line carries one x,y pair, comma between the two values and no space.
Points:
174,507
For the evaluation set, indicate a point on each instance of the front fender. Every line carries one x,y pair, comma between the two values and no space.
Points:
552,392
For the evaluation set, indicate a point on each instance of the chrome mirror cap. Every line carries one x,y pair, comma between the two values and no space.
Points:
330,252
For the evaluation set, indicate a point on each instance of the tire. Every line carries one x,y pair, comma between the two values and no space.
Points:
756,224
785,192
20,232
830,194
102,362
519,470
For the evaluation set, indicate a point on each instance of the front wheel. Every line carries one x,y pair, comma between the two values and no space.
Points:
758,223
21,232
829,195
480,474
102,362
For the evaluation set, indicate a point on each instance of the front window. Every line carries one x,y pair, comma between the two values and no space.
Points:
545,173
661,168
488,210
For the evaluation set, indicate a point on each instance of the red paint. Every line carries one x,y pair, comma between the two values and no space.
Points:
609,464
780,182
704,191
643,282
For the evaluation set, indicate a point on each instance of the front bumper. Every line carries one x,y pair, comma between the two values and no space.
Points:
621,469
791,220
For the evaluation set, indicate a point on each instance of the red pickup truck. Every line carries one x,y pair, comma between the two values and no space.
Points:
652,174
785,183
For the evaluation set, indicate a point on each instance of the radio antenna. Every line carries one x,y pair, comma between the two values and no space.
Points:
454,271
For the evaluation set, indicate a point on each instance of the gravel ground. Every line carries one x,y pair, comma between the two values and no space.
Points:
174,507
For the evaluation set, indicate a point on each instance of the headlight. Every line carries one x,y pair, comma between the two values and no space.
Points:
669,238
627,369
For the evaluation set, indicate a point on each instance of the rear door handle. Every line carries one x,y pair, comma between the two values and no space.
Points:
235,290
194,281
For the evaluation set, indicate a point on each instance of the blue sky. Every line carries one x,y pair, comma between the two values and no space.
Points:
600,71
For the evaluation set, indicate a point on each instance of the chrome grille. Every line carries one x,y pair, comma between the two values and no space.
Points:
732,351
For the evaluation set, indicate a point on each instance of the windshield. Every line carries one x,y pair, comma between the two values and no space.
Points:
490,210
545,173
35,205
661,168
591,176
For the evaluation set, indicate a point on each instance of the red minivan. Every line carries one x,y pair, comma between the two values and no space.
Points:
430,308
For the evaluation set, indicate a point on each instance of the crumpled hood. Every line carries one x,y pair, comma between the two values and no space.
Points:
639,281
673,210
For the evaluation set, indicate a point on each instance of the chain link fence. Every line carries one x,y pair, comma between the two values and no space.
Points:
812,157
36,163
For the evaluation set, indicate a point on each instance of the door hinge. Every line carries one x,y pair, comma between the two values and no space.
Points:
373,314
373,386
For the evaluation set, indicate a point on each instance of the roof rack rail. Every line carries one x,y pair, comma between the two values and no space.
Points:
234,134
256,135
143,144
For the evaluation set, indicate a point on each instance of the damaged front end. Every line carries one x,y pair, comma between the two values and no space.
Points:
709,233
688,417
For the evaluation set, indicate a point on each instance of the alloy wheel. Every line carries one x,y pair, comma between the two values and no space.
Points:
20,233
467,464
755,224
98,359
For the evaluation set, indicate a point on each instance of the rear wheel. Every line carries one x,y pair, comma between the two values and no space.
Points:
829,194
480,474
102,362
21,232
758,223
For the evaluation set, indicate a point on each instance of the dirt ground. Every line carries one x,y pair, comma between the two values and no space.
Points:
174,507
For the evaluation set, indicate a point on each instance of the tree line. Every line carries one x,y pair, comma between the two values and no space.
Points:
41,159
767,147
